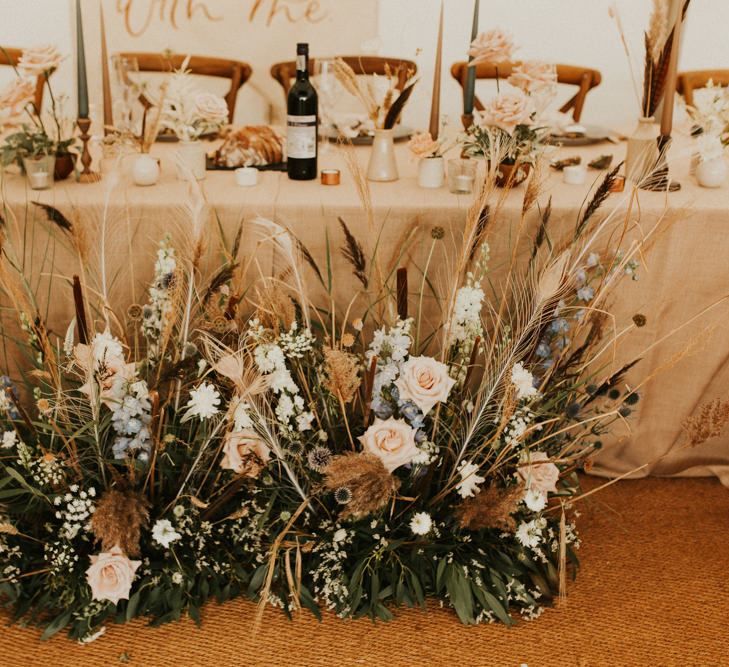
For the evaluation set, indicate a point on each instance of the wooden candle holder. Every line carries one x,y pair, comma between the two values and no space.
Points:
87,175
467,120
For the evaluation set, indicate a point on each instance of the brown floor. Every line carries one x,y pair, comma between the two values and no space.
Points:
653,590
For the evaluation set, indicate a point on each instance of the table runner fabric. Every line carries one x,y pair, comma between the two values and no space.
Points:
686,270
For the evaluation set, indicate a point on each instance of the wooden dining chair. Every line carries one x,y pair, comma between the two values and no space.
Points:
237,71
689,81
10,58
285,72
583,77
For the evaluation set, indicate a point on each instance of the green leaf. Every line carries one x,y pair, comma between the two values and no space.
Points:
417,589
194,613
440,571
307,600
257,580
132,606
459,592
56,625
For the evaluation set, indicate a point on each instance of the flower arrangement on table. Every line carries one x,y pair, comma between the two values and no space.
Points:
232,437
39,138
509,132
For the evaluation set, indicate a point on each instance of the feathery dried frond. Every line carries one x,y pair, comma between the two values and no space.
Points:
119,519
354,254
274,308
342,374
492,508
707,424
601,194
55,216
393,115
369,482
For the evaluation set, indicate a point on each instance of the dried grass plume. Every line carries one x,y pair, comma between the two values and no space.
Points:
491,508
119,518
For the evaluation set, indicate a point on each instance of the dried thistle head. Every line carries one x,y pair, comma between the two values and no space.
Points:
491,508
708,423
342,374
370,484
275,308
119,518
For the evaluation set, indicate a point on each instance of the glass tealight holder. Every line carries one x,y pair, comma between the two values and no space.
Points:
39,171
462,176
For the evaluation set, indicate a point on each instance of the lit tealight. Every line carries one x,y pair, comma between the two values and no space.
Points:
246,177
574,174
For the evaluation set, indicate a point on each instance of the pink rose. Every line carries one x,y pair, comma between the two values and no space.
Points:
245,453
39,60
533,76
110,575
16,96
211,108
494,46
392,441
422,145
538,475
508,110
425,382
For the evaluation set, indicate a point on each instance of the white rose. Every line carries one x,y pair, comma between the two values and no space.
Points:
110,575
425,382
245,453
508,110
533,75
538,474
16,96
392,441
39,60
494,46
211,108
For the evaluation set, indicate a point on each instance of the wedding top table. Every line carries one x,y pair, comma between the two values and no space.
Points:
686,270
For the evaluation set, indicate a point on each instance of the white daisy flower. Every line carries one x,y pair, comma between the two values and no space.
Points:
164,534
203,403
421,523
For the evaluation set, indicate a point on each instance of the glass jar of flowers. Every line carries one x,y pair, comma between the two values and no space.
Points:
508,132
40,144
190,115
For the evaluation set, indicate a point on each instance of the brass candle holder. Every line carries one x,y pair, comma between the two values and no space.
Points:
87,175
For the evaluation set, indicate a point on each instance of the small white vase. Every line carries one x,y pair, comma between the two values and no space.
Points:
712,173
382,165
145,170
190,160
642,153
431,172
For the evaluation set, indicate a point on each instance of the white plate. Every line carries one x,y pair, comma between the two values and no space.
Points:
402,133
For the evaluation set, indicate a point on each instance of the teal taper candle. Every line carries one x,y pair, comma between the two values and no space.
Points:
469,92
81,80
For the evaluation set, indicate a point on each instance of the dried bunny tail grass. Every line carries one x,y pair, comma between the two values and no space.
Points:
369,482
119,518
8,529
347,77
491,508
708,423
342,374
274,307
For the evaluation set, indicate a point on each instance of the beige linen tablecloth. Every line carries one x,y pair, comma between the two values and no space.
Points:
686,270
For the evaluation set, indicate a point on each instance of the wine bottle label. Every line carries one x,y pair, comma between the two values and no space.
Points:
301,63
301,137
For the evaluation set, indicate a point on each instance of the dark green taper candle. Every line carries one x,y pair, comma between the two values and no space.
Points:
81,81
469,94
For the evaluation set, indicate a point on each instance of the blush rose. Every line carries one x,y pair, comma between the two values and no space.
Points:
425,382
392,441
110,575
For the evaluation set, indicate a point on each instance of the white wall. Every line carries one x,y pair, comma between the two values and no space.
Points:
570,31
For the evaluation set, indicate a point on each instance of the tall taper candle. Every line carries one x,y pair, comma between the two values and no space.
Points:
81,81
105,78
469,92
671,77
435,104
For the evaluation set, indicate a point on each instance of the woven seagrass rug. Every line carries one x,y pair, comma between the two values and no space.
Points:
653,590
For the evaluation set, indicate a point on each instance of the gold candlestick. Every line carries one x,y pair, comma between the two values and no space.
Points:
87,175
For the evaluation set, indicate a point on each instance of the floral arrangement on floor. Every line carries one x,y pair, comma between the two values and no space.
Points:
510,130
36,134
234,435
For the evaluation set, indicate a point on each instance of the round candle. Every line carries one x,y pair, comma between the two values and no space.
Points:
574,174
464,183
246,176
39,180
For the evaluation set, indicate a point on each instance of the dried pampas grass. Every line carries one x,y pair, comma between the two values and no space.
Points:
119,518
708,423
370,485
491,508
342,374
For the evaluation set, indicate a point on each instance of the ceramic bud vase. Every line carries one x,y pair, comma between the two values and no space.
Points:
711,173
642,153
431,172
190,159
383,166
145,170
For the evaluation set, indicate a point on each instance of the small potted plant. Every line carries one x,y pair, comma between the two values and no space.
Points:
190,115
39,145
